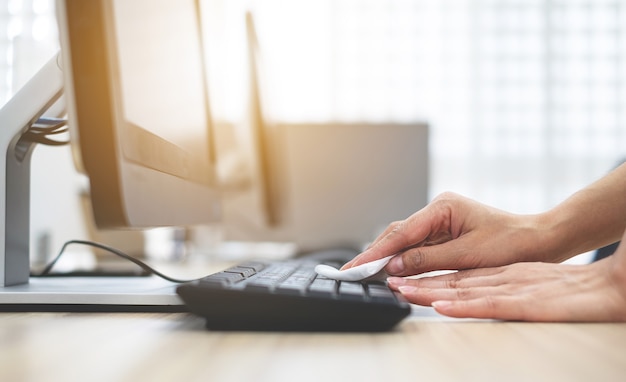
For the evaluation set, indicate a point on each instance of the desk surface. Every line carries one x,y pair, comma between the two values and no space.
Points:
176,347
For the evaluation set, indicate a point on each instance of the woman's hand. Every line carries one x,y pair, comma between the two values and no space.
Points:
454,232
527,291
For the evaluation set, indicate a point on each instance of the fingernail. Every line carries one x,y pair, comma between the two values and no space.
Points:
441,304
407,289
396,281
395,266
347,265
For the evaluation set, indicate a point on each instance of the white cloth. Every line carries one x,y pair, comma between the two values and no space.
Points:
357,273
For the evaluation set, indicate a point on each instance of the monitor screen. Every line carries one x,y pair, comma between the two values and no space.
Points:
138,110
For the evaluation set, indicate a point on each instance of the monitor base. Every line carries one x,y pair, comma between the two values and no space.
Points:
92,294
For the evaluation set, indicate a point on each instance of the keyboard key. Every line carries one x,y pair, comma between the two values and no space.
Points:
244,271
291,288
261,285
352,290
257,266
298,281
270,277
323,287
222,279
381,293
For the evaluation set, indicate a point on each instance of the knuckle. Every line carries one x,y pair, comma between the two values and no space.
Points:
446,195
414,259
463,293
452,283
446,198
390,227
398,233
490,303
395,223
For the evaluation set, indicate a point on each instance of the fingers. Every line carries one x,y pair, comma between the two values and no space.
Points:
452,255
469,278
427,296
391,227
458,285
408,233
523,291
396,237
495,307
478,294
419,237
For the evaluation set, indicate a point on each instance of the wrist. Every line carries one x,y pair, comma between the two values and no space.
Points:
565,235
539,238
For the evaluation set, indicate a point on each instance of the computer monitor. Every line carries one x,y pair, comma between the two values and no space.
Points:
321,185
138,110
133,80
249,185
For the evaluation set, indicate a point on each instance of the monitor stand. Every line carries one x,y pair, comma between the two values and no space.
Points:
18,291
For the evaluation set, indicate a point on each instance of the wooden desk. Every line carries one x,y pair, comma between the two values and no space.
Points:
176,347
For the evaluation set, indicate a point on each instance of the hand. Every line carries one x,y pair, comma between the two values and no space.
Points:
454,232
527,291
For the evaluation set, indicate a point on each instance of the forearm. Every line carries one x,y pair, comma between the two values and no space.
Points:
589,219
454,232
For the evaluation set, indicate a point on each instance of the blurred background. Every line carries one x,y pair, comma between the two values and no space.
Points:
525,99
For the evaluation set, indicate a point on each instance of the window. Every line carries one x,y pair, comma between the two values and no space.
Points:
526,98
28,38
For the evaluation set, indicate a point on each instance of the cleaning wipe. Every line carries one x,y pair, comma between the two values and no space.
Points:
360,272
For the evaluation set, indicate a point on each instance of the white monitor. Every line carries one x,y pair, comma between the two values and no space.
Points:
133,80
138,110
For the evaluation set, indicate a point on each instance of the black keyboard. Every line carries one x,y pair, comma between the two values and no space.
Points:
290,296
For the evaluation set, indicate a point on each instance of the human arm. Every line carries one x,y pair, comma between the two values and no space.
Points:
454,232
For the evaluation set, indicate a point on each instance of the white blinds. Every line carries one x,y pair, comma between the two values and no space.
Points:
28,38
526,98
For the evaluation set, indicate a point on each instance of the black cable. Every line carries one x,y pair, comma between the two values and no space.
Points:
114,251
39,131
